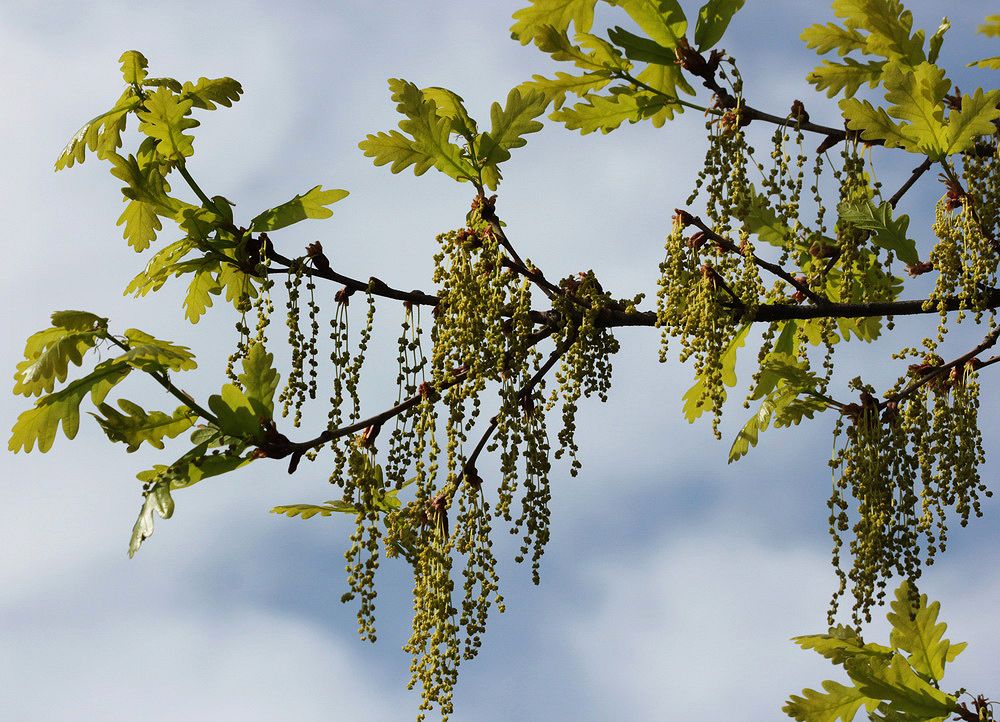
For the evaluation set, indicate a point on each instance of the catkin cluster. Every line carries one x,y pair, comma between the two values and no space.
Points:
902,467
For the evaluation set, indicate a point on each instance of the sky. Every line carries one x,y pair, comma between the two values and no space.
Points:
672,582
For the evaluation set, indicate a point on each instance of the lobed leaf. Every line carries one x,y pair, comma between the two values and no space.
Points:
917,632
556,89
134,66
40,424
662,20
208,91
510,124
148,353
260,380
837,702
889,233
607,112
312,204
101,134
713,20
824,38
554,13
237,416
136,425
846,77
895,681
49,353
165,118
308,511
975,118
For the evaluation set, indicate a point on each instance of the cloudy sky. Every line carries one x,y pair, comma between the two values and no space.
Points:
672,582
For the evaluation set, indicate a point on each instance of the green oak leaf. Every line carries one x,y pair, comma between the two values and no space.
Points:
842,643
991,28
136,425
917,97
553,13
160,267
49,353
895,681
694,397
208,92
237,416
39,425
510,123
917,632
165,118
141,224
661,20
556,89
451,106
889,26
260,380
824,38
888,232
713,20
557,44
875,124
148,353
836,702
607,112
101,134
975,118
937,40
134,66
640,49
992,63
311,204
308,511
203,286
846,77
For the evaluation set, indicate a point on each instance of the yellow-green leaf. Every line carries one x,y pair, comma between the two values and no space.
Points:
141,224
101,134
824,38
308,511
987,63
837,702
136,425
48,353
312,204
846,77
556,89
134,66
662,20
152,354
607,112
200,291
208,91
260,380
991,28
713,20
916,631
165,118
975,118
235,413
556,13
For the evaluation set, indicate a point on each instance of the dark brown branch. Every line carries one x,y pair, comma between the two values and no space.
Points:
470,463
938,371
773,268
614,318
374,285
914,177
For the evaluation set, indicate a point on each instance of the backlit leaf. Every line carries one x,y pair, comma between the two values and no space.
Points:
556,89
662,20
824,38
308,511
48,353
101,134
987,63
846,77
165,118
713,20
975,118
200,291
888,232
606,113
260,380
895,681
915,630
152,354
836,702
556,13
134,66
136,425
236,414
990,28
312,204
510,123
208,91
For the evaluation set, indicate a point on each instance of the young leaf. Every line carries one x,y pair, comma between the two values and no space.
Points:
889,25
824,38
607,112
991,28
975,118
159,268
895,681
148,353
987,63
208,91
200,291
642,49
165,118
101,134
937,39
662,20
137,425
510,124
557,44
917,96
694,404
308,511
260,380
134,66
917,632
451,106
312,204
141,224
836,703
889,233
875,124
236,414
556,13
713,20
48,353
846,77
40,424
556,89
394,147
842,643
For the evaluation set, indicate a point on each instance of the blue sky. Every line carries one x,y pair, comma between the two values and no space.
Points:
672,582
